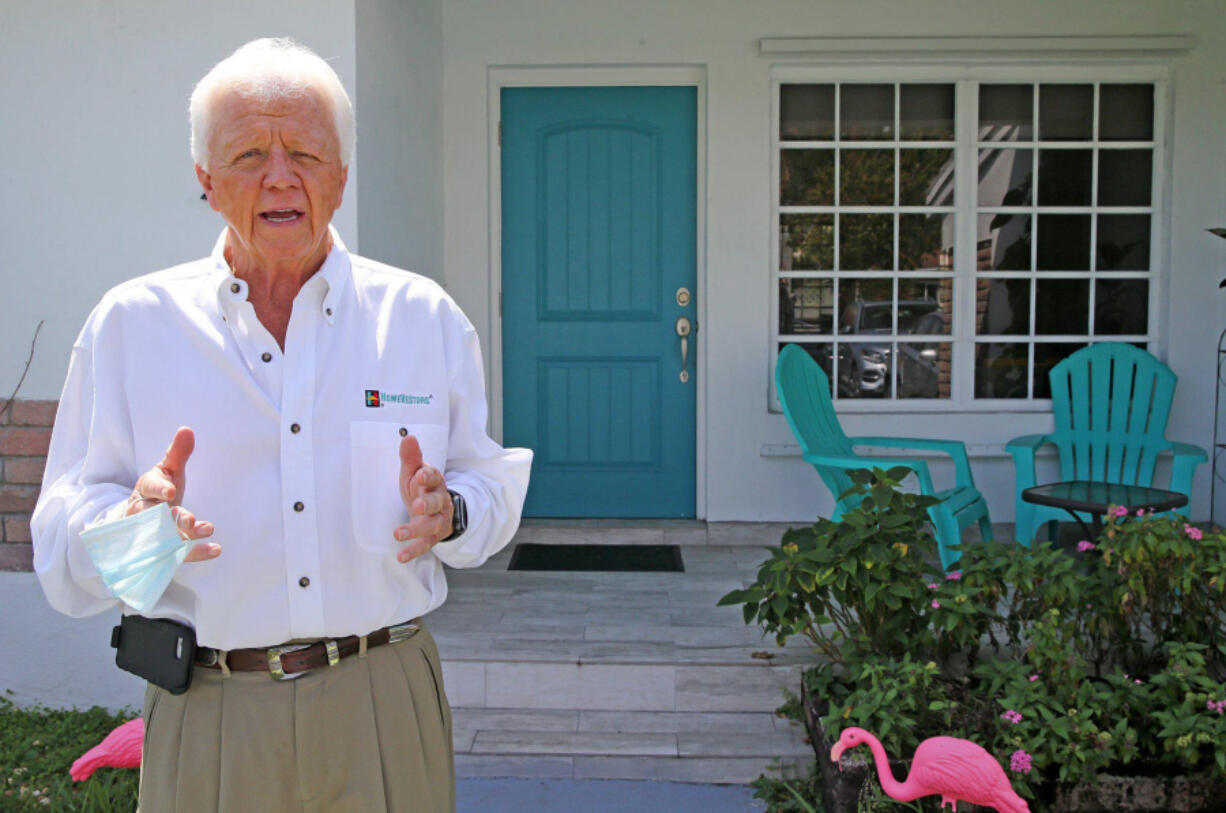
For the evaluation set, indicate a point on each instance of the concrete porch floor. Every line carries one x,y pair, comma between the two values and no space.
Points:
621,676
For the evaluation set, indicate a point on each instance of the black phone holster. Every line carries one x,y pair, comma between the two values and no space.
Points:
158,649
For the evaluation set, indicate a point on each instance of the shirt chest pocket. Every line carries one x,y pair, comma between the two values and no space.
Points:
374,477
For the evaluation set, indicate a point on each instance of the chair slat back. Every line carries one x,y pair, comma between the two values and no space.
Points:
804,393
1111,402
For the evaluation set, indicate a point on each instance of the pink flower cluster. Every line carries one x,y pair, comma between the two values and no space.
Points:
936,605
1012,716
953,575
1033,678
1085,545
933,585
1119,511
1216,705
1193,533
1019,761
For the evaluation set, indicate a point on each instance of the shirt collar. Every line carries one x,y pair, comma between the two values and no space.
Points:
332,275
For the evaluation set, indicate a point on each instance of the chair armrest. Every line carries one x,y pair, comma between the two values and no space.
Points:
1187,457
1023,449
1190,451
920,467
956,449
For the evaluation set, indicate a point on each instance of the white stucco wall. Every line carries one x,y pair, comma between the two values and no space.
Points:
96,177
734,350
400,129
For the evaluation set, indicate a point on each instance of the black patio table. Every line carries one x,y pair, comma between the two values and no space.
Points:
1095,498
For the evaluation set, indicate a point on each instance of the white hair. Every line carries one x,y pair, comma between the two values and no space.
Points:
268,69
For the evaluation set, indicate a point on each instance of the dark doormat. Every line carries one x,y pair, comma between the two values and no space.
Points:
622,558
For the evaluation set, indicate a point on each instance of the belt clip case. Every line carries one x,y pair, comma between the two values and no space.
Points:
157,649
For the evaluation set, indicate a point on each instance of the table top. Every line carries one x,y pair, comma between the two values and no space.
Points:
1097,497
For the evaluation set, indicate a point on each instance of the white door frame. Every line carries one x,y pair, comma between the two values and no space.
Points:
578,76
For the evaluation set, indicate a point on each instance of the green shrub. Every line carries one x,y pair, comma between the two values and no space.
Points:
1100,659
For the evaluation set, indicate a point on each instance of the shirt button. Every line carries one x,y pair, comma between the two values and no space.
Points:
266,356
234,287
304,582
403,431
298,506
328,311
293,427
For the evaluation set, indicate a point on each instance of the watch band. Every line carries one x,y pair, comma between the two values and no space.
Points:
459,516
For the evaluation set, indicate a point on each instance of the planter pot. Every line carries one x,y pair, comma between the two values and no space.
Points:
840,788
1111,794
1143,794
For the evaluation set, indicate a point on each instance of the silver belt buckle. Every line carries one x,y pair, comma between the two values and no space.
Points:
401,632
274,659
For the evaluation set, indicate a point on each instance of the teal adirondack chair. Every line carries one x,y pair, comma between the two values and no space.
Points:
1111,402
804,392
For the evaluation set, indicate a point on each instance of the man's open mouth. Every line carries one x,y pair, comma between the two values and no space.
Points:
281,215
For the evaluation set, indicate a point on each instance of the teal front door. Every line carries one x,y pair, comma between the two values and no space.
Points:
598,253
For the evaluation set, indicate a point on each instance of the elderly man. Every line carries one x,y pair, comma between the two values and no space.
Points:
332,413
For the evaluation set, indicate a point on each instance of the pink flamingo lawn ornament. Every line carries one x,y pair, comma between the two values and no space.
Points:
119,749
958,769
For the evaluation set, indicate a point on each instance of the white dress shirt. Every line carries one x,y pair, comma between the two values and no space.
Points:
293,464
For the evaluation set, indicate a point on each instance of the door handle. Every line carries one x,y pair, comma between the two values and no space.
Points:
684,328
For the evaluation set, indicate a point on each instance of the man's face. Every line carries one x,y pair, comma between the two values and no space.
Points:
275,175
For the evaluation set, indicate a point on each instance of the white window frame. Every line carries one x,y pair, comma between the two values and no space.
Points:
966,79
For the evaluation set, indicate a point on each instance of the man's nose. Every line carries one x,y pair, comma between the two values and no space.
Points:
281,173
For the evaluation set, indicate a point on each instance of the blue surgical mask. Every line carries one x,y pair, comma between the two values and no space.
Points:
137,555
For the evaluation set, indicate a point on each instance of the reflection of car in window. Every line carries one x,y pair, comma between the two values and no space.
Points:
918,371
864,367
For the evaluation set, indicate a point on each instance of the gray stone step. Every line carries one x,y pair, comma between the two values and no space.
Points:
617,675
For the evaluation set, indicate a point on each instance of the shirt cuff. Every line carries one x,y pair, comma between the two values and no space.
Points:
116,512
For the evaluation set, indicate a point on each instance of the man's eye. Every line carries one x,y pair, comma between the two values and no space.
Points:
306,155
248,154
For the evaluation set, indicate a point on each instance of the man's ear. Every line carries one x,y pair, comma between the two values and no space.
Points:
340,194
206,183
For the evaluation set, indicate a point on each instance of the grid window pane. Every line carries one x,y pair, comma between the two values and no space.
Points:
1047,356
866,306
866,177
1125,177
926,177
926,112
1003,243
925,370
865,369
1006,177
925,305
1123,243
926,242
806,112
1126,113
806,177
1002,307
866,242
1065,177
1001,370
1121,307
866,112
1064,243
1061,307
806,242
1006,112
806,306
1066,112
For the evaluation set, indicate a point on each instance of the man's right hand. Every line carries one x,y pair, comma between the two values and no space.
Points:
166,482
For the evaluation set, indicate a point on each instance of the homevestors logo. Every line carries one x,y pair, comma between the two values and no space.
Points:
375,398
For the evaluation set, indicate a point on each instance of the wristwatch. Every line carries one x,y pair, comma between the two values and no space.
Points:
459,516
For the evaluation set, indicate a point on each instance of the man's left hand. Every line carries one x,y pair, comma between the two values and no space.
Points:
424,492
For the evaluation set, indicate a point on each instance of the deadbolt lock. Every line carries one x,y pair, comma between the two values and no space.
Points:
683,296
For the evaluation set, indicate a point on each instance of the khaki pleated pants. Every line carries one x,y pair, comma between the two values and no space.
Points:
369,735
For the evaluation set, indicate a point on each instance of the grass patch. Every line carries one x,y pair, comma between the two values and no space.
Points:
38,745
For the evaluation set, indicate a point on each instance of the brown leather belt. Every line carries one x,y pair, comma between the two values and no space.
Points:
290,659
